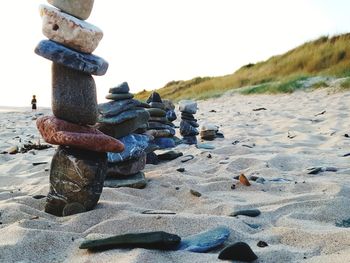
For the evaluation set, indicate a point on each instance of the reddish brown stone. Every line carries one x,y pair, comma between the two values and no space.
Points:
60,132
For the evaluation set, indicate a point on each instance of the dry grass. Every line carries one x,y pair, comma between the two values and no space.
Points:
324,56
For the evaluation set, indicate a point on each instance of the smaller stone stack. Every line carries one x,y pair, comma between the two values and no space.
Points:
170,111
121,118
208,131
159,126
188,124
79,165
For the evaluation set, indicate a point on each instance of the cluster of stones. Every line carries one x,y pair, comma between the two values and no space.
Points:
188,124
160,125
209,132
123,118
79,165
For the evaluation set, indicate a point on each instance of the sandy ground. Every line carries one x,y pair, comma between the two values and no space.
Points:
299,215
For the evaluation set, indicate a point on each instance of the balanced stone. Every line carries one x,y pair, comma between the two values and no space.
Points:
239,252
171,115
127,168
205,241
60,132
69,31
113,108
124,116
150,240
160,133
137,181
169,105
78,8
193,123
119,96
164,143
70,58
67,101
76,177
120,89
189,140
124,128
159,126
159,119
209,127
187,130
188,106
155,112
155,97
208,135
188,116
135,145
157,105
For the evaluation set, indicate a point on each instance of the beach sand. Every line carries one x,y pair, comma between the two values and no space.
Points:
302,215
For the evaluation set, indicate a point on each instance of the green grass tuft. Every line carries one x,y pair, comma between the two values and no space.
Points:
322,57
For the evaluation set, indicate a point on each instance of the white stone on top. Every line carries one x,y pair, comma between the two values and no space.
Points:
68,30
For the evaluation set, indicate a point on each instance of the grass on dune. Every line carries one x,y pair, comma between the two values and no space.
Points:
326,56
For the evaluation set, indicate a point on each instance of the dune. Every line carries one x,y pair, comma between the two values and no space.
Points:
304,217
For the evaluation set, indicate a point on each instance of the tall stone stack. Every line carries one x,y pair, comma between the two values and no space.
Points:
79,165
159,126
121,118
188,124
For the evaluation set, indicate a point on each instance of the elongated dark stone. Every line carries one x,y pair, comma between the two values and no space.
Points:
74,96
151,240
250,213
76,176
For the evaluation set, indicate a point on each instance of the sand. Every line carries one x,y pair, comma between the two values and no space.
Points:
299,214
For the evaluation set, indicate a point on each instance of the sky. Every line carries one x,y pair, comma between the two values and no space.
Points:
149,43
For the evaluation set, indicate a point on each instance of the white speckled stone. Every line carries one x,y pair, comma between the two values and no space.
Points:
69,31
78,8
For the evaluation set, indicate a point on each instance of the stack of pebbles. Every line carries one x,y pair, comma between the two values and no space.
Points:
79,165
188,124
170,111
121,118
159,126
208,131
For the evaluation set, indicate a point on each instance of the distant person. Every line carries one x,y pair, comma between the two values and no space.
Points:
34,103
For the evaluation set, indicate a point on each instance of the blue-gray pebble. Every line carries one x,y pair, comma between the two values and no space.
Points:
205,241
70,58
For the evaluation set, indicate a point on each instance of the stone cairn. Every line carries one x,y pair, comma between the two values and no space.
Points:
209,131
122,118
159,126
188,124
79,165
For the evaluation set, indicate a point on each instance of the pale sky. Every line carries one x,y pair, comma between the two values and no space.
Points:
151,42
